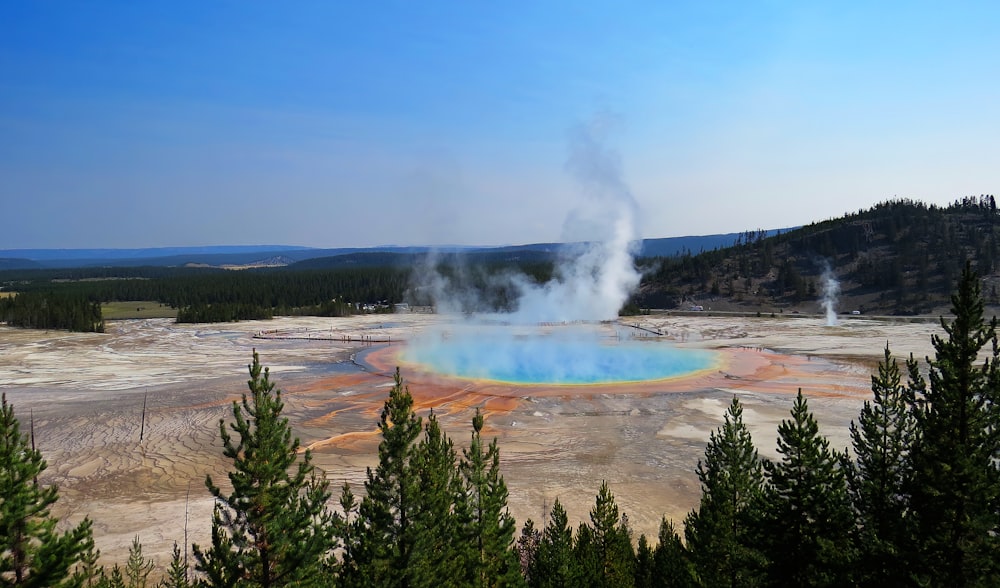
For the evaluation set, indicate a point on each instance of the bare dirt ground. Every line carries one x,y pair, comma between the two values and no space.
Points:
84,394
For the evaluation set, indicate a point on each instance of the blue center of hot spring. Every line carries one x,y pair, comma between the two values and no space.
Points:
555,360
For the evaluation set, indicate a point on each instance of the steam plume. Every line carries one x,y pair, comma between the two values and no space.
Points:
594,273
831,289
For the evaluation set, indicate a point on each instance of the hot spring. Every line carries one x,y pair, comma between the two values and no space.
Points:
561,358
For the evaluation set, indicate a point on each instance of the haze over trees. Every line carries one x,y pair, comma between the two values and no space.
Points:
897,258
915,502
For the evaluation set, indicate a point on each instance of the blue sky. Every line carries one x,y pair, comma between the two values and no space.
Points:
327,124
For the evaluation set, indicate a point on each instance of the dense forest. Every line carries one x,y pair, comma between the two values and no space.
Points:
915,502
57,309
203,295
208,295
898,258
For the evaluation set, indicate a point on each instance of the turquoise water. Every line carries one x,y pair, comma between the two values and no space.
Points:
555,360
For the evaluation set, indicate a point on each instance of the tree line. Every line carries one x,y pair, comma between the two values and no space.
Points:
52,299
52,310
46,302
916,502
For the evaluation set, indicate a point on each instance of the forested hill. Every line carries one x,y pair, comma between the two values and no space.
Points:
898,257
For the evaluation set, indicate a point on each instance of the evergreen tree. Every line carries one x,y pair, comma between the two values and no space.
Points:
113,580
879,478
645,572
32,551
383,537
527,548
604,548
808,518
956,487
588,569
554,564
177,573
348,533
488,525
719,540
439,552
671,565
137,568
273,528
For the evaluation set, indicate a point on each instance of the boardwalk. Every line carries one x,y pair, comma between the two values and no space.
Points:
310,335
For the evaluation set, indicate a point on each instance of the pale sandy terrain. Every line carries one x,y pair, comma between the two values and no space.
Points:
85,394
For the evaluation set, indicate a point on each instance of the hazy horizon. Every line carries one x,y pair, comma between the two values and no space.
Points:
135,125
293,246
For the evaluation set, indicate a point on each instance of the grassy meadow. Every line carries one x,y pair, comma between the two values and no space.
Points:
140,309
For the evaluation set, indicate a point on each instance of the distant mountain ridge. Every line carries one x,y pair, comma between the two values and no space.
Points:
249,255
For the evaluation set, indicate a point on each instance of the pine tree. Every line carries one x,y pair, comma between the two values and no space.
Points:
588,565
719,540
177,573
956,487
488,525
808,518
383,537
348,533
879,477
554,564
671,565
604,547
32,551
113,580
439,552
645,572
273,528
527,548
137,568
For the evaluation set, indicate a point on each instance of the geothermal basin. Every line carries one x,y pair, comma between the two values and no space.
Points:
551,355
642,434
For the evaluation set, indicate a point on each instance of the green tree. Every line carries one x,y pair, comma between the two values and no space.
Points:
554,564
439,552
32,551
718,533
137,568
671,565
645,572
348,571
879,476
273,527
113,580
808,519
177,573
383,536
956,487
604,547
489,527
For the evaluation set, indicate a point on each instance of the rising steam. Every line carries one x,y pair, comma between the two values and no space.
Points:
593,277
594,272
831,290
